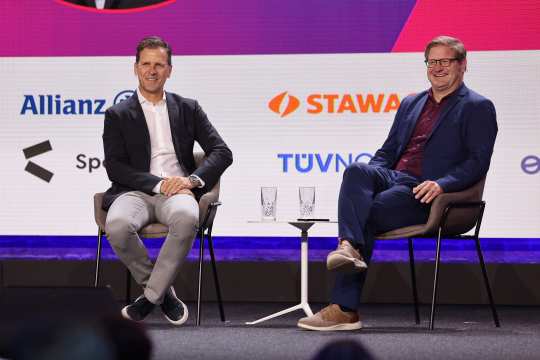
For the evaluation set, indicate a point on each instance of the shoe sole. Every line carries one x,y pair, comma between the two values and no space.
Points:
342,263
125,314
339,327
184,318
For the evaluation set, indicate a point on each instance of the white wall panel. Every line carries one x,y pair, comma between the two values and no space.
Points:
235,91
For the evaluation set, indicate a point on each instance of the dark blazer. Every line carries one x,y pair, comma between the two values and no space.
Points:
126,142
117,4
458,150
129,4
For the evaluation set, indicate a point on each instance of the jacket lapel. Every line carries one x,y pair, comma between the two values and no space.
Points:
139,123
109,4
413,117
448,107
177,123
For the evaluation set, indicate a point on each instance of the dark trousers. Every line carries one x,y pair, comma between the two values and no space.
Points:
372,200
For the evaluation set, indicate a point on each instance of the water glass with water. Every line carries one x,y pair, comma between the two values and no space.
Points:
268,203
307,201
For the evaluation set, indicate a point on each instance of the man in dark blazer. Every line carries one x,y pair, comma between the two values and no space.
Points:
148,141
441,141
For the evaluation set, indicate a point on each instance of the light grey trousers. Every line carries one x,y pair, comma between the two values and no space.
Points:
133,210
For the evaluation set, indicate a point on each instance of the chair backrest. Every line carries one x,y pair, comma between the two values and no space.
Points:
460,220
100,215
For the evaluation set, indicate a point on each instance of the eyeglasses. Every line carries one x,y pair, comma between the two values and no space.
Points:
443,62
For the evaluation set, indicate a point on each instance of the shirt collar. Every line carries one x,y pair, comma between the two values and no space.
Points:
143,100
444,99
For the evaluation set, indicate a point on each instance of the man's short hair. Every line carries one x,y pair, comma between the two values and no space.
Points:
153,42
453,43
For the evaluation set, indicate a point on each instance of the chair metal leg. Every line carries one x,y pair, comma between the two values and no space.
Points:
1,274
128,287
486,282
98,257
201,258
435,280
214,271
413,281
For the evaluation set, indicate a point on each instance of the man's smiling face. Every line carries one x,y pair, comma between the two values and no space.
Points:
445,79
153,70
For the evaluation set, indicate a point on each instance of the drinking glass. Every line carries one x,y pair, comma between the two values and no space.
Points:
268,203
307,201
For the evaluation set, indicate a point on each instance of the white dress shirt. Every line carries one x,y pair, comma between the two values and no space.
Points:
163,160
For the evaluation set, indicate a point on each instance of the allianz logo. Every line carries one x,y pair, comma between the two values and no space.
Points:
319,162
47,104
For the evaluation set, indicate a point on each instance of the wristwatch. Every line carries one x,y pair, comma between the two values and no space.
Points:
195,181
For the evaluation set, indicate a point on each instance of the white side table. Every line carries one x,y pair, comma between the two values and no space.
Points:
303,226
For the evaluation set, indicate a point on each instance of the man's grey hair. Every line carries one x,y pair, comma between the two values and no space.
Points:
451,42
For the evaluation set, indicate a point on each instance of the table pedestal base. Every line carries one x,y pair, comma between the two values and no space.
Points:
303,305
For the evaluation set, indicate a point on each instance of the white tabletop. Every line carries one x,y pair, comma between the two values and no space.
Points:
288,221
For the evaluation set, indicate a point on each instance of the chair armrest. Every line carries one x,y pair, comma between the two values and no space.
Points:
207,204
100,215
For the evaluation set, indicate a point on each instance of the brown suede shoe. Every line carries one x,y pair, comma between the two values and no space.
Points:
331,318
345,258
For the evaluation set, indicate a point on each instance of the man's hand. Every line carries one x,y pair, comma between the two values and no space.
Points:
176,185
184,191
427,191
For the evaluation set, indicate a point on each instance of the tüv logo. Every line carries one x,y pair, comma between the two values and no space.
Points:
47,104
317,162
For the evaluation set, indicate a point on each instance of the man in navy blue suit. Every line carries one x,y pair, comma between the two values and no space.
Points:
441,141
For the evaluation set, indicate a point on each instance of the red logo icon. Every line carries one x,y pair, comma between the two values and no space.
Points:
276,104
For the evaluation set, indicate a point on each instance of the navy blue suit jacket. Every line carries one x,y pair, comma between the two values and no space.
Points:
458,150
126,142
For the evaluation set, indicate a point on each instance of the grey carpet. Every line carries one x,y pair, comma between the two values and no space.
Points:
462,332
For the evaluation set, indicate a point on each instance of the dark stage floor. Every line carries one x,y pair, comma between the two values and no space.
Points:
462,332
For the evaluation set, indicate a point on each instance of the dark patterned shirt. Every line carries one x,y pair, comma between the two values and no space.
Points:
411,159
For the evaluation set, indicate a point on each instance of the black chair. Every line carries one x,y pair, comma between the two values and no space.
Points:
207,211
451,216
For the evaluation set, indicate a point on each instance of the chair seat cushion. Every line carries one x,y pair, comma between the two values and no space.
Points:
404,232
154,231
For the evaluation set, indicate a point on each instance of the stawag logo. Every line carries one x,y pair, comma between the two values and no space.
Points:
321,103
276,104
57,105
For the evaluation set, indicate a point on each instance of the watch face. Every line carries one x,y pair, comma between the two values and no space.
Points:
194,180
